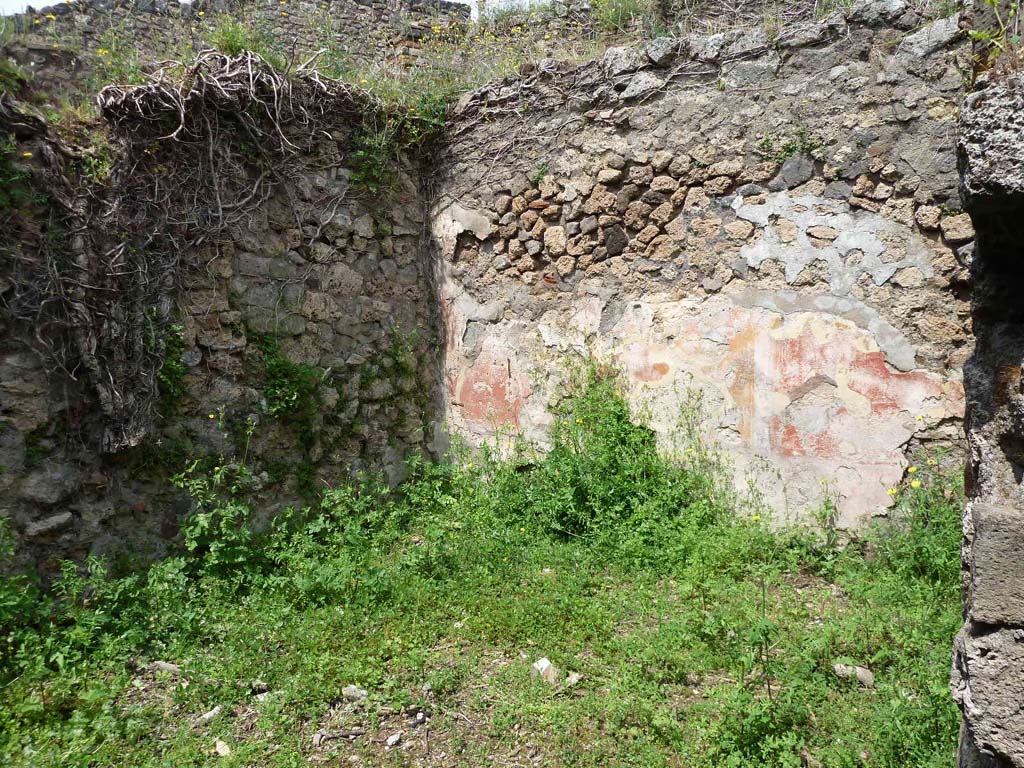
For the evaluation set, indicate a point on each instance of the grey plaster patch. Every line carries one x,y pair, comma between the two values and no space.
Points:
856,249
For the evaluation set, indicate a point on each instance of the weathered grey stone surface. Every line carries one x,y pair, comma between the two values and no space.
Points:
988,684
988,663
996,573
933,37
990,142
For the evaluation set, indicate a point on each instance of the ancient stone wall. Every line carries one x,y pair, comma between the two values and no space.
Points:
773,222
988,663
307,338
770,221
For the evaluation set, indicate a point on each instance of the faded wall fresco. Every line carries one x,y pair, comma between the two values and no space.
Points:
773,224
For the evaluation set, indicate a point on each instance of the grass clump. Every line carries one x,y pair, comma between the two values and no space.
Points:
700,636
231,35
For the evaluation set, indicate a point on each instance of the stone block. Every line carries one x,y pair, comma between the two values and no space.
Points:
988,684
49,526
997,564
990,140
620,60
50,484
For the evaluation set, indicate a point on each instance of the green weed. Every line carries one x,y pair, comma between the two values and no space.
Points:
231,35
291,390
171,375
802,142
16,189
701,637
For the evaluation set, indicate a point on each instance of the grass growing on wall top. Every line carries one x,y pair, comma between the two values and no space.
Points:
700,636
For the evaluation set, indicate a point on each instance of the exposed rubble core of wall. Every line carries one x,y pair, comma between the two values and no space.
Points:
304,341
988,664
774,222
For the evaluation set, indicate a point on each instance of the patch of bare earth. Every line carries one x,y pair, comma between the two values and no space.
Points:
434,732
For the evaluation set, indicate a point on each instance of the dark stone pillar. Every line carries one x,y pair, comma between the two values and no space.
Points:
988,657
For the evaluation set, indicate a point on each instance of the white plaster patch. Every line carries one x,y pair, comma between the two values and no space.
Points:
864,243
452,220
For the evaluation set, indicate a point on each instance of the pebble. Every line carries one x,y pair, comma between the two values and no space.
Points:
208,716
354,693
544,669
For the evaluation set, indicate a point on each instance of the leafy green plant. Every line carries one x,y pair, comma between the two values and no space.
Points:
539,172
12,77
292,390
701,635
171,375
383,139
116,59
15,182
376,153
1002,41
620,15
232,34
217,531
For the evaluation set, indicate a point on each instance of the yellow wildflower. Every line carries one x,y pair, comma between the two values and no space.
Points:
26,154
201,13
51,17
915,483
35,21
755,518
891,491
932,462
103,52
213,415
911,470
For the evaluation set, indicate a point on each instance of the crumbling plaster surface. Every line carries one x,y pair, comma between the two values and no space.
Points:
774,225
